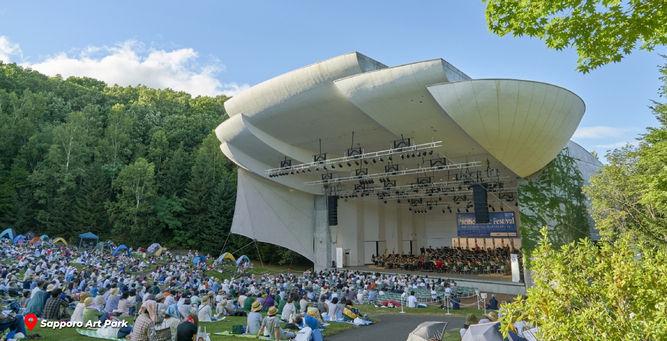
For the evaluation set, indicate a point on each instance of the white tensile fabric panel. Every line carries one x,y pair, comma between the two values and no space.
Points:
272,213
397,99
523,124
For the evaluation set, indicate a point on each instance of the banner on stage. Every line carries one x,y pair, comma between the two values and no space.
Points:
501,224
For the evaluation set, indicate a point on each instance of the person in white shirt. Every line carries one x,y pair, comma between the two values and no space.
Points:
412,300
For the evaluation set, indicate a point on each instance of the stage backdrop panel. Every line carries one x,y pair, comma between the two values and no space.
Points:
502,224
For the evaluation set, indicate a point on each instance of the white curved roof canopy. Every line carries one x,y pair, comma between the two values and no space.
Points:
520,124
523,124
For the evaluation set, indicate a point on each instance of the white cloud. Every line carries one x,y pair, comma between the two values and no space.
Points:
131,63
602,132
7,48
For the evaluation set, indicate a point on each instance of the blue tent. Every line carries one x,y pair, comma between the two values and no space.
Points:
199,259
8,233
18,238
242,259
122,247
88,237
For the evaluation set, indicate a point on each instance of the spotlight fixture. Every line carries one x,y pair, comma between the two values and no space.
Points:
317,169
382,160
493,208
356,163
430,208
430,152
450,209
349,164
458,210
340,165
388,157
410,209
443,211
407,155
467,210
385,201
325,167
333,166
374,161
402,156
413,154
309,170
365,162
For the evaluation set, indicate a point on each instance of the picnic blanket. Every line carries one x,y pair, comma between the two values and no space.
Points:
228,333
93,333
363,322
219,320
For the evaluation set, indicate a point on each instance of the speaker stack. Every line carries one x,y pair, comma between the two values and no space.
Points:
480,201
333,210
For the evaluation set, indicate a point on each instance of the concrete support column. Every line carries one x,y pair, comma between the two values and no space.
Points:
322,239
398,215
357,253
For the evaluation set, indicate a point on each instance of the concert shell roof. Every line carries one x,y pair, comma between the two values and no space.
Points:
516,126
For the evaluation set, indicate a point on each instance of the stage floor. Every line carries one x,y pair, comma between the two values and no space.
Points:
482,278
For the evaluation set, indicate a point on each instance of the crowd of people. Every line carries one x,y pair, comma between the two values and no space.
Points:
451,260
171,291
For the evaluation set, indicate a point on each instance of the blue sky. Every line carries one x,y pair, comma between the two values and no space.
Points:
213,47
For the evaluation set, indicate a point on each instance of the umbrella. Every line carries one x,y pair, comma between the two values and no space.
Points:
484,332
428,330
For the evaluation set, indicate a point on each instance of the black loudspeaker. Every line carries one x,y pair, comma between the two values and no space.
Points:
333,210
479,198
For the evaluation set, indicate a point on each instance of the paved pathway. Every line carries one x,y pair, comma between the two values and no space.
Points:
395,327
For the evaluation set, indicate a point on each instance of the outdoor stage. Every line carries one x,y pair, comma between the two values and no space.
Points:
494,283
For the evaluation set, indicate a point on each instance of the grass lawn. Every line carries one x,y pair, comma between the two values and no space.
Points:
216,327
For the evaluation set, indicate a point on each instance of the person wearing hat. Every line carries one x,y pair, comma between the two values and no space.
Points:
112,301
272,324
77,315
204,313
254,319
470,320
491,316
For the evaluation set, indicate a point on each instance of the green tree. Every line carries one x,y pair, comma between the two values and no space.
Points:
554,197
601,31
592,292
115,147
90,213
132,211
629,195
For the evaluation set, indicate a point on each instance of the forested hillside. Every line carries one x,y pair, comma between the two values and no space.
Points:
132,164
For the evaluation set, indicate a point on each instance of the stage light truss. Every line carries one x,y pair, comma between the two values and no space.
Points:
458,189
435,201
411,171
321,159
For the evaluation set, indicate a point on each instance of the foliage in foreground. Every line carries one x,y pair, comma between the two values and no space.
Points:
602,32
629,195
586,291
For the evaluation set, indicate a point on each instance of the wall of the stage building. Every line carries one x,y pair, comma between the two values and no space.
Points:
367,225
